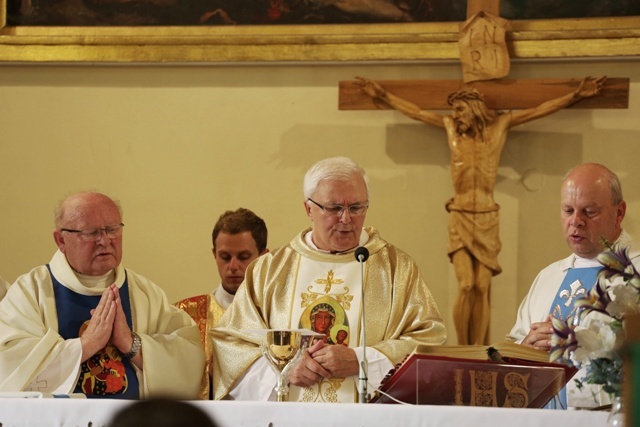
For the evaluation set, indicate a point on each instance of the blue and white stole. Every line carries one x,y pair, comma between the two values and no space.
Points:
577,283
107,373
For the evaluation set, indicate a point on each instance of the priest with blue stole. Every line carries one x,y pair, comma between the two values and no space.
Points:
84,324
592,210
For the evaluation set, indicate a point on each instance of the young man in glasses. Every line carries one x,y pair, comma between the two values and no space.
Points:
318,270
88,325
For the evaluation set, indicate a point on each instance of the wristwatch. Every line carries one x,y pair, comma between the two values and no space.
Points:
135,347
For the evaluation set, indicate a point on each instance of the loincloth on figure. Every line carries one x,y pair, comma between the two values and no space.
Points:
477,232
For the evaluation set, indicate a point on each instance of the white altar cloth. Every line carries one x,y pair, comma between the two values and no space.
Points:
23,412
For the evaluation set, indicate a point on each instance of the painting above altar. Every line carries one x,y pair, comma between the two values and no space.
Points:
290,12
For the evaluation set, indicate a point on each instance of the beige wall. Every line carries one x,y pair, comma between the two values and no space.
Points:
178,145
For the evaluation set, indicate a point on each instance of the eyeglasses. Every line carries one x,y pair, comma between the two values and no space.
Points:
94,234
338,210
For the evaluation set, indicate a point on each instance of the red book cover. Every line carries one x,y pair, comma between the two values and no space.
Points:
426,379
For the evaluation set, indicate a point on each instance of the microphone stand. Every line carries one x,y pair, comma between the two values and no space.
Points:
364,364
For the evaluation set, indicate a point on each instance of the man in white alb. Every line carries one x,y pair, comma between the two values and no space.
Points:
84,324
592,209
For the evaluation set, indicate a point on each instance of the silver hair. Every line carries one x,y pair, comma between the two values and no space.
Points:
335,168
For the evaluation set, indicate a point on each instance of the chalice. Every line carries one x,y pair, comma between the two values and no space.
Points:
283,349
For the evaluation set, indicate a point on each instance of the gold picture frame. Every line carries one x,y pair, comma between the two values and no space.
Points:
561,38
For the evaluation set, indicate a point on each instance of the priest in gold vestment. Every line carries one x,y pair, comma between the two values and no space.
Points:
314,283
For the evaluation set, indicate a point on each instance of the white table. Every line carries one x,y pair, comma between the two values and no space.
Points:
19,412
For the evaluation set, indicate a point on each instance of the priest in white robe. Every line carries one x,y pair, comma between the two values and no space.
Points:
83,324
592,209
314,283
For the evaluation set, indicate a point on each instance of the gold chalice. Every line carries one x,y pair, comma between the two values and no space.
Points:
283,349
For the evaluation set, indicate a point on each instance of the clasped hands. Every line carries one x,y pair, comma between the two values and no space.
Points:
539,335
323,360
107,324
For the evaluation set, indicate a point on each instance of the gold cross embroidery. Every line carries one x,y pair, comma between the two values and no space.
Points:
329,281
343,298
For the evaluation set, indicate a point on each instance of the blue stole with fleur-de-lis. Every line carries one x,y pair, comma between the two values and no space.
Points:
577,283
107,374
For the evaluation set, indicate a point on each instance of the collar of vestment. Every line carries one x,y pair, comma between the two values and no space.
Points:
373,243
64,273
308,238
223,297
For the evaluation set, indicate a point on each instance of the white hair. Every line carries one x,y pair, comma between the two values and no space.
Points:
335,168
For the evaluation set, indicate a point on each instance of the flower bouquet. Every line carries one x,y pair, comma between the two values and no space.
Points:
594,343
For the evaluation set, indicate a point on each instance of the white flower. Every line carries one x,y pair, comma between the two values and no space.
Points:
625,301
597,340
592,344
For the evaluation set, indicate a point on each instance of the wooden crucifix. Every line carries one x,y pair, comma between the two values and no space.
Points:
476,133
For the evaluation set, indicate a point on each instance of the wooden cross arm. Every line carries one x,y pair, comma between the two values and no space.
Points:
504,94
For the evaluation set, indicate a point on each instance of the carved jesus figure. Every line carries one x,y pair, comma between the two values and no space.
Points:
476,136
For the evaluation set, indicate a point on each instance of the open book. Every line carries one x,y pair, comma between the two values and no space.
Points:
482,352
504,374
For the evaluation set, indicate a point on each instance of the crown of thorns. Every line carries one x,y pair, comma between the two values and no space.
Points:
467,94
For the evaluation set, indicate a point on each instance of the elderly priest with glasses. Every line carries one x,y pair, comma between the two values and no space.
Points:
315,273
84,324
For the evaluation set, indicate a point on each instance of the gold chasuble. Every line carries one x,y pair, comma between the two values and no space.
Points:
296,286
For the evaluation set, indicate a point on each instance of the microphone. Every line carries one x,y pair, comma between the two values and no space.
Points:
362,254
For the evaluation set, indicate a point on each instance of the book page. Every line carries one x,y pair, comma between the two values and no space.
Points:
479,352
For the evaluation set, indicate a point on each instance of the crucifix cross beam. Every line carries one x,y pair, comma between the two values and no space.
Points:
503,94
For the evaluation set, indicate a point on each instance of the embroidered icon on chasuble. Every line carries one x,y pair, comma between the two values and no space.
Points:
327,301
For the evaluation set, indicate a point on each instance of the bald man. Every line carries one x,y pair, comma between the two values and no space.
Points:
591,209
